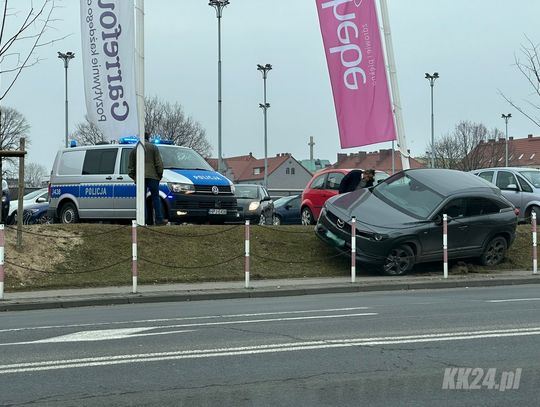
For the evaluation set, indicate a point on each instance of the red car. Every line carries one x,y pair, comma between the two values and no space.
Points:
324,185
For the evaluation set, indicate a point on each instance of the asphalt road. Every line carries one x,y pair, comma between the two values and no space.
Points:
376,349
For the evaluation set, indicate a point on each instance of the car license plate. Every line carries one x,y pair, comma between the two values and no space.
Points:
217,211
335,239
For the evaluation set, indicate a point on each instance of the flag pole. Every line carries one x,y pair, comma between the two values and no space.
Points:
139,68
402,143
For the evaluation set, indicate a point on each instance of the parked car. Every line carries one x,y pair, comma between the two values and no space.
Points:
39,196
254,204
37,214
322,186
287,210
399,221
5,200
519,185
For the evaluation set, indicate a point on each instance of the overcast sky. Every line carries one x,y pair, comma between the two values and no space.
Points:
471,44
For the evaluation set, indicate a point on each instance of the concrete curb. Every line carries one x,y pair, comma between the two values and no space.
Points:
220,294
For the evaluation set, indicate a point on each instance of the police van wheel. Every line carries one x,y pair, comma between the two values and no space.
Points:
69,214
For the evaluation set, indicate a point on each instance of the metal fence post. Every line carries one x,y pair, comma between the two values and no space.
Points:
134,271
246,257
534,250
445,245
353,249
2,244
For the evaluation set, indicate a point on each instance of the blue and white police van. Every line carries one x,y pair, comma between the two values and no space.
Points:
92,183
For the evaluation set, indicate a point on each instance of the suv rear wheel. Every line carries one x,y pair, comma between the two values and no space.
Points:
495,251
69,213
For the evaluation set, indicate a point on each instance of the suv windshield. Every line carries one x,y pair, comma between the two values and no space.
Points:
184,158
533,177
408,195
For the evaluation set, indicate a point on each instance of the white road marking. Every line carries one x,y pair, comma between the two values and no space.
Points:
125,333
515,299
143,321
260,349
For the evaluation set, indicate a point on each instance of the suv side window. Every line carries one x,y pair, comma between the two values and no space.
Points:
70,163
318,182
99,161
524,185
124,160
482,206
505,178
455,208
487,175
334,179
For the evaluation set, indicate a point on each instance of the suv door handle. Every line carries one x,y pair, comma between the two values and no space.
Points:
119,177
462,227
108,178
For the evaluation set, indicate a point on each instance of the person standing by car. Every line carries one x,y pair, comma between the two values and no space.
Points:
153,172
5,201
368,178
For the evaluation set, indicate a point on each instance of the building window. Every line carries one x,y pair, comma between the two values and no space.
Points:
256,171
292,171
532,156
520,157
287,170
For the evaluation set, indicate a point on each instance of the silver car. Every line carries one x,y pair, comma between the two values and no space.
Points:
520,185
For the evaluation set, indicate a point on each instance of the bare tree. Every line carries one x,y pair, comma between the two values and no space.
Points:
33,174
169,121
470,146
19,40
87,133
528,63
13,126
161,119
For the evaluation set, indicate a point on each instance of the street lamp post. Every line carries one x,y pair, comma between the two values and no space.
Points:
264,69
66,57
219,5
506,117
431,79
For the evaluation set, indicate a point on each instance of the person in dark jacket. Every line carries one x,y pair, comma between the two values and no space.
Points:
153,172
350,181
368,178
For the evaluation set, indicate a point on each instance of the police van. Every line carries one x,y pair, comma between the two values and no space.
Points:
92,183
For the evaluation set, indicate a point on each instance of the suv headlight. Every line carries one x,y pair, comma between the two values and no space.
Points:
377,237
233,188
253,206
181,188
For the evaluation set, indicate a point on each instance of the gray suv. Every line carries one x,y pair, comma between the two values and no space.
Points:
520,185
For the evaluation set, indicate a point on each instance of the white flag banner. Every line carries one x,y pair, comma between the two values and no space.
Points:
108,53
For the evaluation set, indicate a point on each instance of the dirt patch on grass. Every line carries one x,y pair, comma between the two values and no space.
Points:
42,250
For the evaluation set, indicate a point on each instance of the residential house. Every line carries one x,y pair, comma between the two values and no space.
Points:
284,171
315,165
379,160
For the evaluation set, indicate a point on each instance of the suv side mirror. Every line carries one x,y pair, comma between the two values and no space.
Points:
41,200
266,198
438,219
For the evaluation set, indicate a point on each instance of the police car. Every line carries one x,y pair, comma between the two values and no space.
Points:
92,183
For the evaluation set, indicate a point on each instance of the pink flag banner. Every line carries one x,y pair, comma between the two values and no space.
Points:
355,58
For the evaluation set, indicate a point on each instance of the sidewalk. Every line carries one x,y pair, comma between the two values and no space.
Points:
67,298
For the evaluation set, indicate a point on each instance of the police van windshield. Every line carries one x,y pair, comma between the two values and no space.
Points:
182,158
